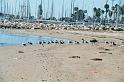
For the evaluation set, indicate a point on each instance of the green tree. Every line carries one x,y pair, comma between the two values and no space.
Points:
97,13
76,9
78,14
81,15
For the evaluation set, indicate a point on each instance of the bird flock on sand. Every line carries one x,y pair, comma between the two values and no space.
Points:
83,41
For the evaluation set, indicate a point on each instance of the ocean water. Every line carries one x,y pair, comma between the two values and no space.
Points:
7,38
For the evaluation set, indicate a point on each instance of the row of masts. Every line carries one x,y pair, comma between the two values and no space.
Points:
4,8
22,9
63,12
49,12
19,10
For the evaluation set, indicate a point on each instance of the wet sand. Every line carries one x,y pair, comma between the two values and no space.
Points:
65,63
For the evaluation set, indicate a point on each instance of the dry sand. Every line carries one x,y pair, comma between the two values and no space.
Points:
64,63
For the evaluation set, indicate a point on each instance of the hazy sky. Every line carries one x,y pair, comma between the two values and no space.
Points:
83,4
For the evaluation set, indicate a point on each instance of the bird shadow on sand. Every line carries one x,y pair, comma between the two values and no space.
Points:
97,59
1,79
20,52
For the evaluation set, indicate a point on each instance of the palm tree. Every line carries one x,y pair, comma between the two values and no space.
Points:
102,12
116,10
106,6
113,10
81,15
94,14
122,7
98,12
122,11
110,13
76,9
94,10
78,14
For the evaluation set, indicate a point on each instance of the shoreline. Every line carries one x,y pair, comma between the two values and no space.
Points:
60,33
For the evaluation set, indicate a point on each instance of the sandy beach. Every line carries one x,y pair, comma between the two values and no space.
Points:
84,62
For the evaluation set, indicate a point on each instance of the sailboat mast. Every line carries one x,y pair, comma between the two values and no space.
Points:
65,13
11,9
7,10
62,9
71,6
52,9
40,10
4,7
36,9
1,5
59,14
83,5
45,12
15,7
19,9
47,9
41,14
28,10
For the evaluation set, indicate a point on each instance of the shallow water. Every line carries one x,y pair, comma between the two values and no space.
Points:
7,38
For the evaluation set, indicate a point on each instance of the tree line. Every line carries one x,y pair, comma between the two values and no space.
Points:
110,14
